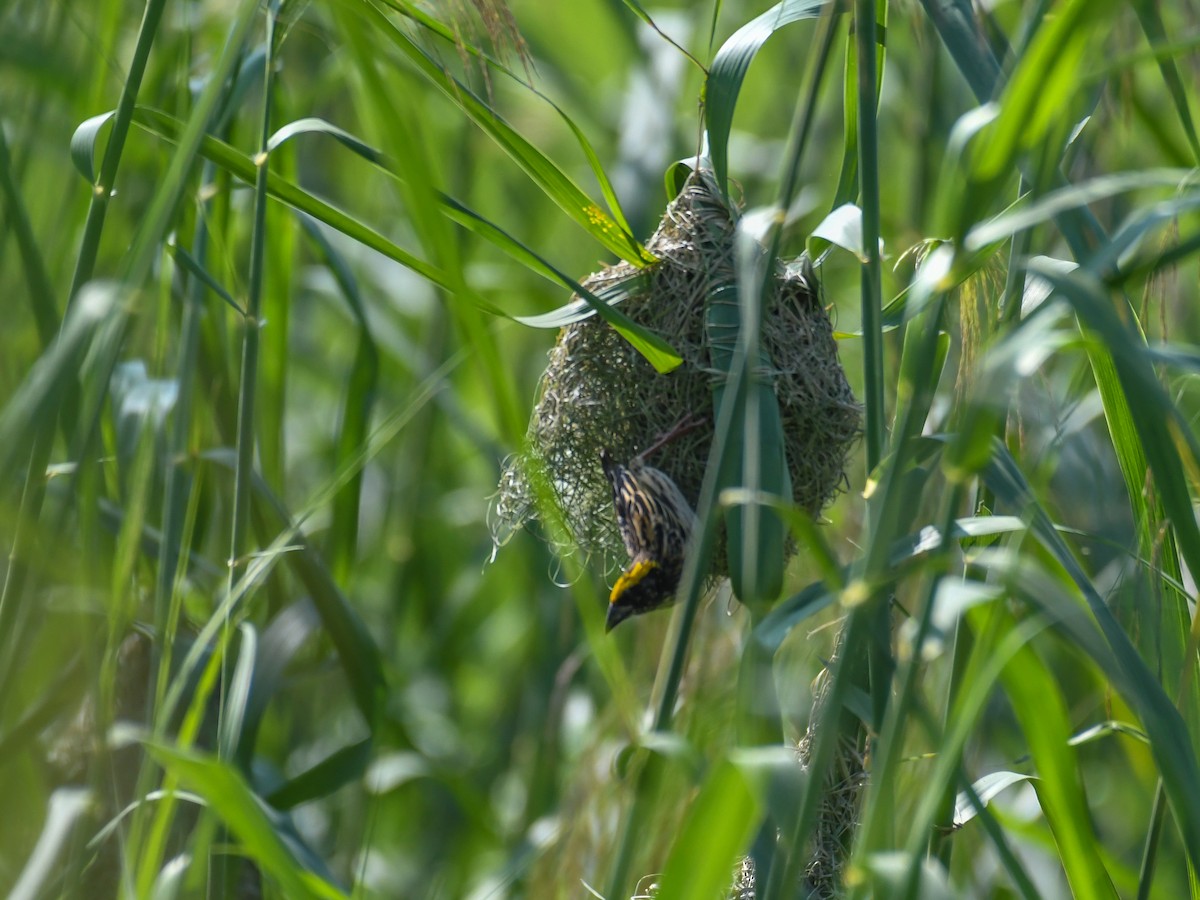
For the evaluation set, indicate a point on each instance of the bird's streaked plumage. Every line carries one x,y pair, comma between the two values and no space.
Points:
655,521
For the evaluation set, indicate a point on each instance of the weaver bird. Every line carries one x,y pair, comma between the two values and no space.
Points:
655,521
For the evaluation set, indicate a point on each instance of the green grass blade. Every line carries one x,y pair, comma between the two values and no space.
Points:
259,834
585,145
1042,712
357,407
1165,727
103,186
342,767
41,291
657,351
39,396
1071,197
231,734
729,69
544,172
718,827
1150,16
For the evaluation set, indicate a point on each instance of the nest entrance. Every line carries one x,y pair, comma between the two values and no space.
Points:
599,393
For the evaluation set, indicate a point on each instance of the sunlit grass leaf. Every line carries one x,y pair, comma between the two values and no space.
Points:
1108,729
987,787
654,348
843,228
237,695
578,310
83,144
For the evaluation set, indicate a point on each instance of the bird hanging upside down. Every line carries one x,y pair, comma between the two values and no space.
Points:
656,522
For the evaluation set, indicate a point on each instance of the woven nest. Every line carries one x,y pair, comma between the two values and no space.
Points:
599,393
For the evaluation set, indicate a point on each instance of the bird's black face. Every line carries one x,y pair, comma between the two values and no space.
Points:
646,586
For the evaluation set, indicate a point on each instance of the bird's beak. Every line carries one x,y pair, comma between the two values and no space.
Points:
616,615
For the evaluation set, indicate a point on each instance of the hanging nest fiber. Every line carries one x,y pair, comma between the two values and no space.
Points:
599,393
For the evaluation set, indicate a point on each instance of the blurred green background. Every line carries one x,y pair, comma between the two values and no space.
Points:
389,705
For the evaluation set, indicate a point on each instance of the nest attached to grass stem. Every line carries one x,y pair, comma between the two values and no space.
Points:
599,393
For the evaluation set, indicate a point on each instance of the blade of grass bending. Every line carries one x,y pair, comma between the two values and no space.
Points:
456,39
224,155
544,172
728,71
656,350
344,766
1008,858
641,13
193,267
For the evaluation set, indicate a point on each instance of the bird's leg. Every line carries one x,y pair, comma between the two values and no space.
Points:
679,429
